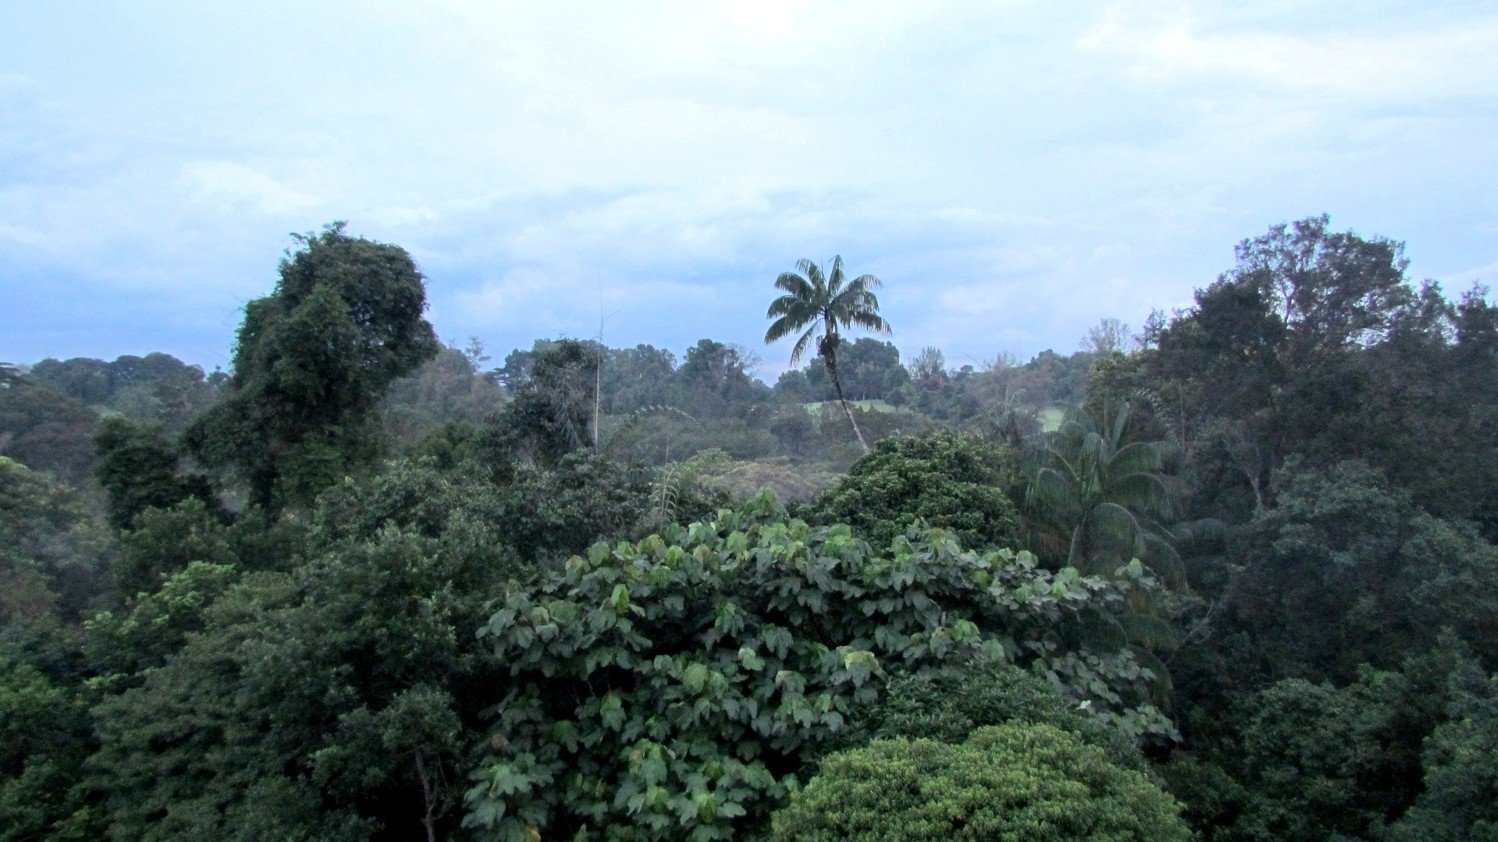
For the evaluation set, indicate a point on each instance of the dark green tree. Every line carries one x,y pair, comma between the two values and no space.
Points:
1460,801
552,409
1347,555
330,702
138,470
44,740
311,363
1265,351
947,705
819,305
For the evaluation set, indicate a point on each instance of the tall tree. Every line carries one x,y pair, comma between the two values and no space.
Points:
311,363
552,408
818,305
1270,345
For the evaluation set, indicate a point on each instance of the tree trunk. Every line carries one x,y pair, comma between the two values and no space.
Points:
829,357
428,796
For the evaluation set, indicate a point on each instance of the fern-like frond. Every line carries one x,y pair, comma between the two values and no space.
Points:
1053,497
1135,458
1160,557
1143,493
1163,687
628,422
1150,631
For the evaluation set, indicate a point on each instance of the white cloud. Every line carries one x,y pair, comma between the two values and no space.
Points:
1184,45
232,186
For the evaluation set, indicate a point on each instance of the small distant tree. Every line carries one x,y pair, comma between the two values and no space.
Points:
552,404
1106,337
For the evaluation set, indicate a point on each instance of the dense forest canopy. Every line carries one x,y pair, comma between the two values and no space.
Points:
1234,577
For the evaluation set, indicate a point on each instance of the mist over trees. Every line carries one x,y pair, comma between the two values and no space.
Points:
1232,577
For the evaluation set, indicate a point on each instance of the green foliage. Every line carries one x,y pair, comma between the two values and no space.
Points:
165,541
1352,558
661,435
552,406
549,514
636,378
1015,781
326,702
1460,800
671,685
1298,760
948,704
716,380
714,474
1104,497
46,431
946,479
157,389
1269,361
138,471
870,370
124,645
447,389
52,554
43,741
311,363
1318,762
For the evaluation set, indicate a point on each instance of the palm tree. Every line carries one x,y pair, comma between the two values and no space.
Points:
1105,497
821,305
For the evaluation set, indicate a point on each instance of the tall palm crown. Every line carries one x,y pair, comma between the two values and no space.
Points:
818,305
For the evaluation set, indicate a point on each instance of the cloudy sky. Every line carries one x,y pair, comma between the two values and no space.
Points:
1013,171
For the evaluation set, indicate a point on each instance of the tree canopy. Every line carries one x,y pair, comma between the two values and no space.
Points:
311,362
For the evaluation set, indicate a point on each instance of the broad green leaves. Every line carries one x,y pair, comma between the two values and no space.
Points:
672,685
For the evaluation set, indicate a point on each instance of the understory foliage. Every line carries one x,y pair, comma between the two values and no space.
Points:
668,688
1022,782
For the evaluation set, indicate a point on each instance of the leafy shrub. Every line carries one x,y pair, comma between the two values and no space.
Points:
1014,781
949,704
947,479
674,685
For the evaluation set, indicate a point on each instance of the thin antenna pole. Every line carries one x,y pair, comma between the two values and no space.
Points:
598,369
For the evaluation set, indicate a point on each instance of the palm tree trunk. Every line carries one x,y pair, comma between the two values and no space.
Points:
830,358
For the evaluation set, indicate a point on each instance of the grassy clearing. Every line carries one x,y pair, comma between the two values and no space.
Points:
876,406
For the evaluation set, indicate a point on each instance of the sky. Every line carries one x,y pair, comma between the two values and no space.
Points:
641,172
